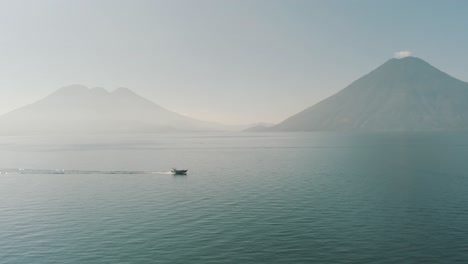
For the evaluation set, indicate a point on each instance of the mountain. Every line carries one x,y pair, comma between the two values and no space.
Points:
405,94
264,124
78,109
257,127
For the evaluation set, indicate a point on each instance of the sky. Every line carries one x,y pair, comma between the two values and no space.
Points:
231,61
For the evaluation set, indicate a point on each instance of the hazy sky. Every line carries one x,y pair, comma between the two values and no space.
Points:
228,61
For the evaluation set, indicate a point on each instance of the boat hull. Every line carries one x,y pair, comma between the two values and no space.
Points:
179,172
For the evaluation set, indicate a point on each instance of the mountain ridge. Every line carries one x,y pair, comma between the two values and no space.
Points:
405,94
79,109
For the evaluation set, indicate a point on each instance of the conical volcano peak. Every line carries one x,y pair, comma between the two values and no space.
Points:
123,91
406,94
408,62
409,58
78,90
74,89
408,67
413,61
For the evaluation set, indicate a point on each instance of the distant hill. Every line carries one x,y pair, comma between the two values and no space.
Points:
77,109
257,127
401,95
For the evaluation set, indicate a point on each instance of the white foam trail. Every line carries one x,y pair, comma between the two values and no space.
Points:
60,171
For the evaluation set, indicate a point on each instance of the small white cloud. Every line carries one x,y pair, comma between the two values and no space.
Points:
402,54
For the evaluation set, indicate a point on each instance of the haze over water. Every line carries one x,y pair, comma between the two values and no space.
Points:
248,198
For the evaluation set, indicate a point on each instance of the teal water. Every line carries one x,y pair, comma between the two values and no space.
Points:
248,198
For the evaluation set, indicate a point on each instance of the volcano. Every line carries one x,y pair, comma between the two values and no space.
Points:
405,94
78,109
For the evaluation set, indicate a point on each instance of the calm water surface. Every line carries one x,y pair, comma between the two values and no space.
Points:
248,198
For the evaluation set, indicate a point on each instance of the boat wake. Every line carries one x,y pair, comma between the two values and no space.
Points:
59,171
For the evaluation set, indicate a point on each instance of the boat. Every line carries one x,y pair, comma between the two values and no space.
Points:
178,172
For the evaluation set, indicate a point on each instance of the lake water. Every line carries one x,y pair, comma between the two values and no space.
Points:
248,198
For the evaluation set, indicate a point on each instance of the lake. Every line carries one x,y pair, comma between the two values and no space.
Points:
248,198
